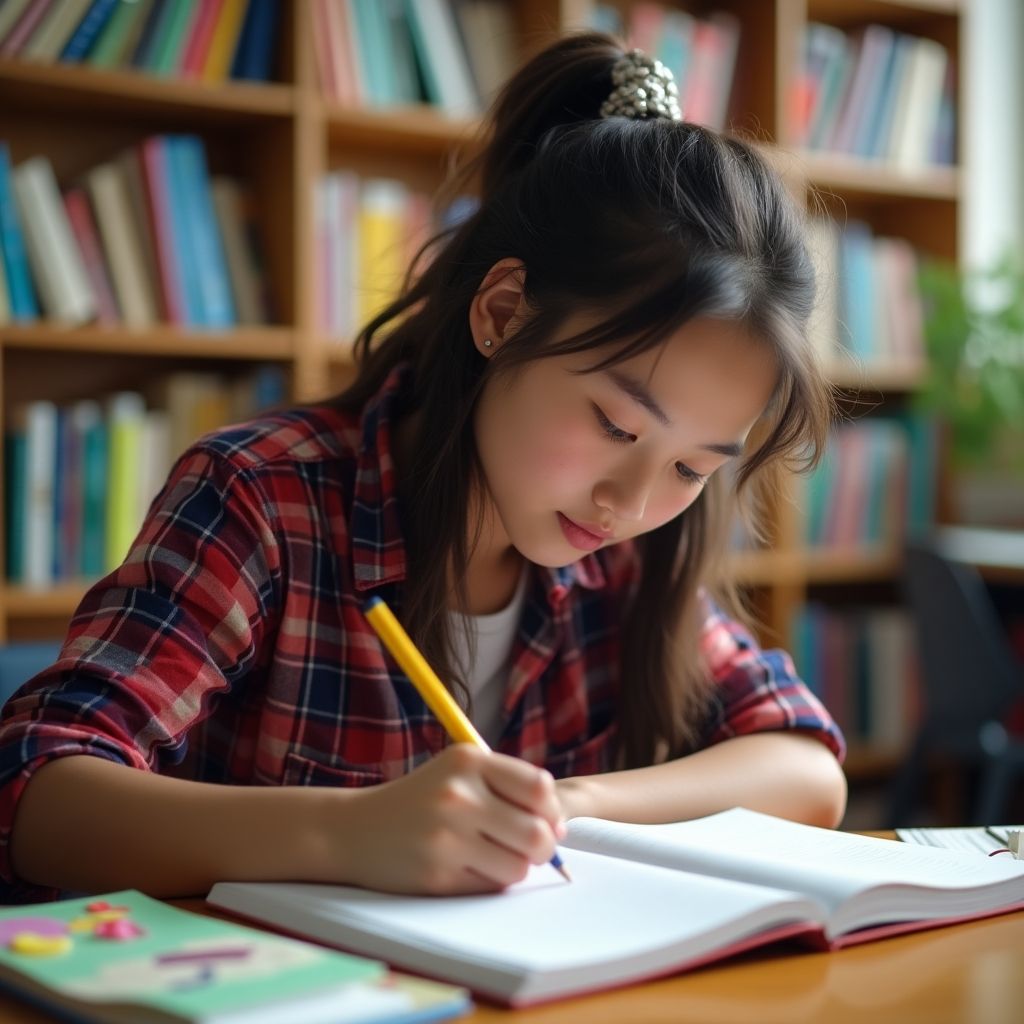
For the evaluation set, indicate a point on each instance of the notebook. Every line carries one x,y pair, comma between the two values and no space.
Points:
647,900
124,957
978,838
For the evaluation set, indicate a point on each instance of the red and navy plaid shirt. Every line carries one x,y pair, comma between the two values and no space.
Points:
231,647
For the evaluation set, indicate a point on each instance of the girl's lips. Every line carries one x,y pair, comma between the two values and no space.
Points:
579,537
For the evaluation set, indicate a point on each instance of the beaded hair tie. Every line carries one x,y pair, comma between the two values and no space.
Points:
644,87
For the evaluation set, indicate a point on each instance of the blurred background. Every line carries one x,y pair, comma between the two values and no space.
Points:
201,200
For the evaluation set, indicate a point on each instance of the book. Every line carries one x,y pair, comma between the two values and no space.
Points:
125,956
975,839
647,900
53,255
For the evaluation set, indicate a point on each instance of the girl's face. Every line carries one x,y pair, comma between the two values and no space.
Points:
578,461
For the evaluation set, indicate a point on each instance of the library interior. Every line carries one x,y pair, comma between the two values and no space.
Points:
203,202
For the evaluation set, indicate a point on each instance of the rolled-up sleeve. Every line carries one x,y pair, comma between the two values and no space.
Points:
758,690
152,644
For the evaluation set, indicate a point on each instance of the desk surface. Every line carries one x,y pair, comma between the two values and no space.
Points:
972,973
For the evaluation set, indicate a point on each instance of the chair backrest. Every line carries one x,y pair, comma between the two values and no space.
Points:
969,673
21,661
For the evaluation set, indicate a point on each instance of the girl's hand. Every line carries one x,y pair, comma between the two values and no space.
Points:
467,821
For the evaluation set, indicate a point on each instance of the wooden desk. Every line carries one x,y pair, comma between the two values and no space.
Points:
971,973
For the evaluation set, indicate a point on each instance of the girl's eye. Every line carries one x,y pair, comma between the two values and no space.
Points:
691,476
614,432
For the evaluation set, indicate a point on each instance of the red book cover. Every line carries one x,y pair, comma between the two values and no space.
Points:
83,226
198,44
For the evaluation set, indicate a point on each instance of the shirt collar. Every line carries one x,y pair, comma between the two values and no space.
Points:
378,543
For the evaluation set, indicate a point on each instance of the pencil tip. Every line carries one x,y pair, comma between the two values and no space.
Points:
564,872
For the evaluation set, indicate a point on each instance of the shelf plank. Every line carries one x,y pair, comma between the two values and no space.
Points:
243,343
877,376
414,129
851,565
848,174
73,87
55,602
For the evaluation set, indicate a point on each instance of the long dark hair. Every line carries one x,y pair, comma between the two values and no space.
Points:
651,223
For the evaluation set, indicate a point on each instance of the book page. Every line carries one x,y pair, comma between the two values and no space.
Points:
617,919
833,867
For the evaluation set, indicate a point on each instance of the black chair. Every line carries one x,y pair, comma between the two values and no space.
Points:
970,680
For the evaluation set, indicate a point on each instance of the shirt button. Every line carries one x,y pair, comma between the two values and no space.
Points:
559,592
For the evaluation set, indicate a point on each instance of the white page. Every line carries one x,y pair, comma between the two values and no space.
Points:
830,866
976,839
609,923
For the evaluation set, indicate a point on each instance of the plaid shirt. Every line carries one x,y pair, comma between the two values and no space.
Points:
230,646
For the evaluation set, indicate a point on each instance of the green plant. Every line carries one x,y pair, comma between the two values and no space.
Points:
974,335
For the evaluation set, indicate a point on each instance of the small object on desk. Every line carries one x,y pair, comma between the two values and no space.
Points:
974,839
429,687
1013,847
184,967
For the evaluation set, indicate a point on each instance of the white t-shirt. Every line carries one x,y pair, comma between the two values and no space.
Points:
487,675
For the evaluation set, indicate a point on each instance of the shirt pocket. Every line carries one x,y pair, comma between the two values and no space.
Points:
304,771
591,757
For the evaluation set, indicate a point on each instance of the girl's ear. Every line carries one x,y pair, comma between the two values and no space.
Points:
497,306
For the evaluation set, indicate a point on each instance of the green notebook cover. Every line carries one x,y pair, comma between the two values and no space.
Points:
173,965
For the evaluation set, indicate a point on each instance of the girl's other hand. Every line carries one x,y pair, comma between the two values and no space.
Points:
468,821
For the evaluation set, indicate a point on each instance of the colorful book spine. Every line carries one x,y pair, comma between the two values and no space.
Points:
24,305
125,415
25,27
215,301
223,41
255,54
89,29
83,225
170,256
53,256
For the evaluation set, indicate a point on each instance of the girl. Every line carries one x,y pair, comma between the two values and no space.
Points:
526,469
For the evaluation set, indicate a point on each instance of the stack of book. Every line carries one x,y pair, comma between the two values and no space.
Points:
875,485
142,238
454,55
207,40
869,306
700,52
863,665
369,232
79,478
876,94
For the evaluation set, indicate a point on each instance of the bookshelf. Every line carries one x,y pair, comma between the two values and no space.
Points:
282,136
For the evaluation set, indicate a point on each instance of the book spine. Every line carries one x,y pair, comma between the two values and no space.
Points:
255,57
223,41
125,416
217,307
59,25
167,49
108,49
24,305
76,204
15,500
121,243
52,252
198,44
155,171
148,34
24,27
88,31
41,453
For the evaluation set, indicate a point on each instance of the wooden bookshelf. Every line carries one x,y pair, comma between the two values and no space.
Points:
282,137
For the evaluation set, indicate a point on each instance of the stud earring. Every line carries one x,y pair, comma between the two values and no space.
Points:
488,343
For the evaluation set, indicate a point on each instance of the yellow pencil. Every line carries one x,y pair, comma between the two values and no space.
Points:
430,688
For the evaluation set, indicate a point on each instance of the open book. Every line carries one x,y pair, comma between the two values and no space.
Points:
648,900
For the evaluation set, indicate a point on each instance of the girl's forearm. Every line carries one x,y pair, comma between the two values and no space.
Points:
84,823
784,774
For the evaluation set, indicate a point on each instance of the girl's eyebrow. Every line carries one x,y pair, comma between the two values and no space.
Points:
640,394
638,391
